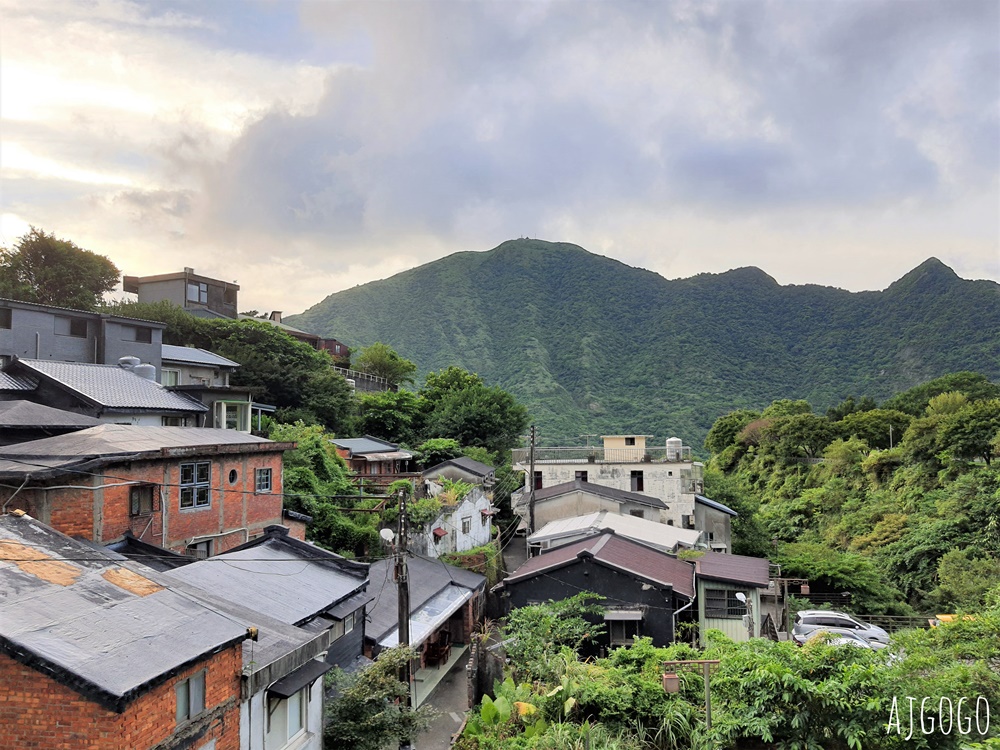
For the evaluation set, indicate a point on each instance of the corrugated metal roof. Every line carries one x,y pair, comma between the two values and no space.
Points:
600,490
630,527
427,579
194,356
123,439
26,414
276,579
713,504
616,552
736,568
111,386
104,638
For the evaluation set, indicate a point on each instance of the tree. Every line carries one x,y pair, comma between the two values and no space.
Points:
481,415
727,427
381,360
371,709
877,427
437,450
44,269
448,380
391,415
970,432
849,406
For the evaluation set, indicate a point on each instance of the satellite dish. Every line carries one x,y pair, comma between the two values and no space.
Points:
387,536
741,597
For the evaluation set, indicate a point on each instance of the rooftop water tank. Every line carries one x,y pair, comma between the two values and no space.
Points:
128,363
145,371
674,448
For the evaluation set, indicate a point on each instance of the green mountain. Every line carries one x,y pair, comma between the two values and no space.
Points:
592,345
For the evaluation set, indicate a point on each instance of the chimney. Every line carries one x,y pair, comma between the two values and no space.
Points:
275,316
188,270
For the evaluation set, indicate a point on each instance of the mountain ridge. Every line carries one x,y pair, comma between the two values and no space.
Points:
592,344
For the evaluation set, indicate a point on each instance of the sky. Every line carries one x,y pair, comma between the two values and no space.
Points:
302,148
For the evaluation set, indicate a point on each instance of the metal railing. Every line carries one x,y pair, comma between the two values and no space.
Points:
594,454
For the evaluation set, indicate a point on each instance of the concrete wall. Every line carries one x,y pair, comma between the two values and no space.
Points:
716,525
253,722
172,290
450,520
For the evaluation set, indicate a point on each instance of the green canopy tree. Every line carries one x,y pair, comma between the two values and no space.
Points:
50,271
382,360
391,415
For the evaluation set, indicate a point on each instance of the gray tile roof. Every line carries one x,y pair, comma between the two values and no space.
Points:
191,355
10,382
600,490
362,445
26,414
734,568
427,578
85,621
110,386
463,462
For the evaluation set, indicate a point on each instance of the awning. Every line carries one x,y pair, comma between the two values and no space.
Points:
623,614
490,512
293,682
439,532
431,616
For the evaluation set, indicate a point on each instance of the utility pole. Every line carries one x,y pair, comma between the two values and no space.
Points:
403,596
531,478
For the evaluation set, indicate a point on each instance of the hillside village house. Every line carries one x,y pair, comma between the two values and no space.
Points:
44,332
198,492
580,497
375,462
461,526
199,295
204,377
461,469
572,529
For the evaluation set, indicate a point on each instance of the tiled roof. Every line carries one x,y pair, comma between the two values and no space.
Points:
10,382
616,552
734,568
191,355
463,462
639,529
363,445
600,490
111,386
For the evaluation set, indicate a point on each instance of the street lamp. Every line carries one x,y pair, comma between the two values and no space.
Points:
748,617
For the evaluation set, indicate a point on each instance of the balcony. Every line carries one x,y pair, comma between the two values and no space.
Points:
600,455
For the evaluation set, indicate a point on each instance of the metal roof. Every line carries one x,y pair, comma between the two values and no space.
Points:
463,462
109,629
428,578
638,529
27,414
713,504
615,552
600,490
367,444
194,356
110,386
755,571
279,579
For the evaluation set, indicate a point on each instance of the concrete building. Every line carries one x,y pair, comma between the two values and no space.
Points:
199,295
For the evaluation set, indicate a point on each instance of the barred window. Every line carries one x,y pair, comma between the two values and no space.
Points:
723,603
196,490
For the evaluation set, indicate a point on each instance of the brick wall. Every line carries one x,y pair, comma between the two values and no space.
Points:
38,712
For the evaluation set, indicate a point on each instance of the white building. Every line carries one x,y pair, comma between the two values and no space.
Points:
459,527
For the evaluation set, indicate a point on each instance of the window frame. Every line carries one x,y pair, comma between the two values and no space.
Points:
201,292
258,475
6,318
198,489
733,609
580,476
135,500
199,678
66,325
636,480
467,525
274,704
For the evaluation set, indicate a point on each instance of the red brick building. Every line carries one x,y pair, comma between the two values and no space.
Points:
195,491
96,654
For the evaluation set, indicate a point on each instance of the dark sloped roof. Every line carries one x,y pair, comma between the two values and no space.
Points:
427,578
109,386
10,382
616,552
600,490
26,414
735,568
463,462
289,582
713,504
107,628
191,355
366,444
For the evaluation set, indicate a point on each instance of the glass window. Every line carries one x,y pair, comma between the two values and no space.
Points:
170,377
637,483
196,491
286,718
197,292
467,525
76,327
580,475
723,603
263,480
630,441
190,697
141,499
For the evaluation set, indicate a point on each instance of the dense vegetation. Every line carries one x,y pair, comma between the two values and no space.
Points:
593,346
896,505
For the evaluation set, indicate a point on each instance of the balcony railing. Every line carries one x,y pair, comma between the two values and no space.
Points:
584,454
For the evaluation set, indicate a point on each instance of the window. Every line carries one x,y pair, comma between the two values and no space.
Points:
232,415
580,476
197,292
170,377
200,550
630,441
196,491
467,525
263,483
286,718
76,327
140,499
233,476
637,485
538,480
190,697
723,603
172,422
142,334
5,317
623,632
341,628
637,513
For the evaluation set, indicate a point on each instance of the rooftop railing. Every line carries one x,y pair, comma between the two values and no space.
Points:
594,454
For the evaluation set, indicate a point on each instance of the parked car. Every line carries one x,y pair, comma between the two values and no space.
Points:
840,638
810,621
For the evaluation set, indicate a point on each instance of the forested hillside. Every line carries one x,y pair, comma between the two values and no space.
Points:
591,345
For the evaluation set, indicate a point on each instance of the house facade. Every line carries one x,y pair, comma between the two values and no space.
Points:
197,492
375,463
624,462
44,332
460,527
204,377
199,295
461,469
657,535
580,497
720,578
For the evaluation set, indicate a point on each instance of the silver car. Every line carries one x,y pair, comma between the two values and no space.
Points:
811,621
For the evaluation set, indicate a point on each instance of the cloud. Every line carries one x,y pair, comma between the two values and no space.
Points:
361,138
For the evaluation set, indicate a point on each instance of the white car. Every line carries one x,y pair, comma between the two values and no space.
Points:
810,621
